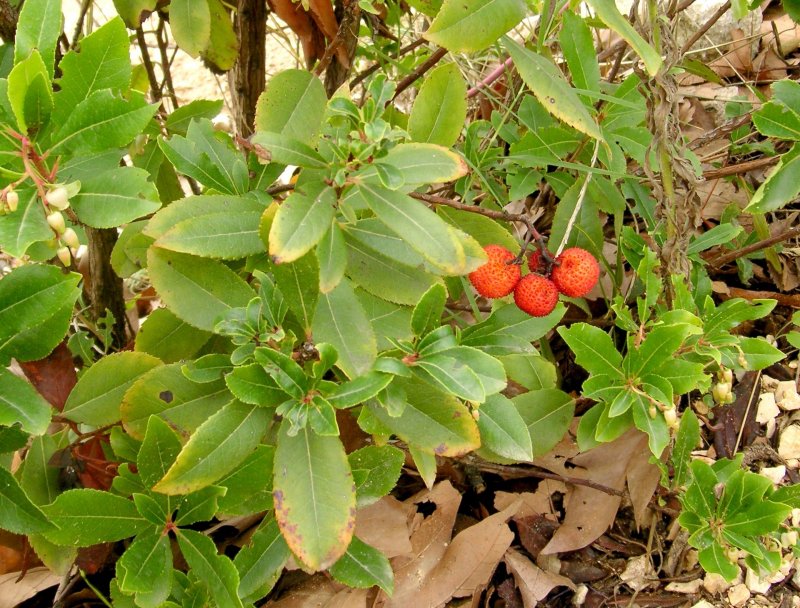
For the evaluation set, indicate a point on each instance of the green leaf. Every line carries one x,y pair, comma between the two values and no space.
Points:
451,375
699,496
165,336
503,430
116,197
609,14
548,85
531,371
29,93
440,108
197,290
196,207
357,391
134,12
758,353
101,121
249,486
473,25
102,62
284,370
314,496
426,7
658,349
252,384
285,150
261,561
299,284
153,511
223,48
760,517
166,392
292,104
419,163
780,188
593,348
89,517
384,277
148,559
208,156
160,446
420,227
217,571
21,404
300,222
190,23
199,506
547,414
655,427
38,28
17,513
339,314
718,235
714,559
95,399
376,470
27,225
686,439
427,314
432,420
179,120
332,257
483,229
578,48
218,445
39,341
222,235
32,294
363,566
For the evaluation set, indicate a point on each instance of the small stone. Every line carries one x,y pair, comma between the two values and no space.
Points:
579,597
738,594
755,583
715,583
796,519
767,408
796,576
789,539
772,426
768,383
786,396
688,588
774,474
703,604
789,444
639,573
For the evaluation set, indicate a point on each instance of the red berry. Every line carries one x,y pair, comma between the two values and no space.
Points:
536,295
536,262
496,278
576,272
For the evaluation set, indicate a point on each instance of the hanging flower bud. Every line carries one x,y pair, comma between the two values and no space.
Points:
12,199
70,238
56,221
65,255
671,416
58,198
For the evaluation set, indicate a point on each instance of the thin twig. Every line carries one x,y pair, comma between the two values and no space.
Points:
420,70
166,66
731,256
377,66
85,4
489,79
744,167
723,129
148,65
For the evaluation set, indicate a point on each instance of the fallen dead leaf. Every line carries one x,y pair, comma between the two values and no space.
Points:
14,592
533,503
642,478
533,583
384,525
321,592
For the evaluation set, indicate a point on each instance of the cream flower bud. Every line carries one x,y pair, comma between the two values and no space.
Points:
65,255
70,238
56,221
671,416
12,198
58,198
721,392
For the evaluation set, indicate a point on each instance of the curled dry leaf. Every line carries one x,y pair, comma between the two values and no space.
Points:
13,591
533,583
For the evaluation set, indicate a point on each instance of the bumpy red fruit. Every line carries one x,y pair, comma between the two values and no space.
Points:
536,295
576,272
496,278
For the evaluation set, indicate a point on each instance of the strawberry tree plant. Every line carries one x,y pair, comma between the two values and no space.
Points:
385,287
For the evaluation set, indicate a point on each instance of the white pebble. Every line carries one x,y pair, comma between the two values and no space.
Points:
767,408
789,444
738,594
786,395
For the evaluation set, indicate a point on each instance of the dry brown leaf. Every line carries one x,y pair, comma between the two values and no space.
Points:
466,566
788,33
533,583
429,540
642,477
319,591
384,525
533,503
13,592
590,512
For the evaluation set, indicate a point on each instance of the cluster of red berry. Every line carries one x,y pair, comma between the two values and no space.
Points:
573,273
